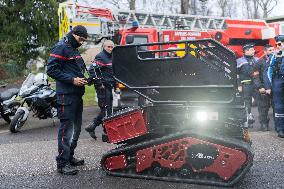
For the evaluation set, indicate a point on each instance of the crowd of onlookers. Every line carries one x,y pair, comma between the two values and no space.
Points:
263,80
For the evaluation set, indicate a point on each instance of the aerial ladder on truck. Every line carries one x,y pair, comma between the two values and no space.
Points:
103,23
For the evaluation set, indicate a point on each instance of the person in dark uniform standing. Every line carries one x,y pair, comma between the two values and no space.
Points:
245,69
275,78
67,67
263,96
102,70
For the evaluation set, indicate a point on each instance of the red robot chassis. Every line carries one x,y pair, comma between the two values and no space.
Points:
191,126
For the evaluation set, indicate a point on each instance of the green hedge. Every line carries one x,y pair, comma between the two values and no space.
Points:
11,70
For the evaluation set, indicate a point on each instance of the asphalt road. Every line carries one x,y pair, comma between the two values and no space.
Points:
27,160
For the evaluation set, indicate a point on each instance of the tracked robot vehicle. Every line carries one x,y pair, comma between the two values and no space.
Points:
191,126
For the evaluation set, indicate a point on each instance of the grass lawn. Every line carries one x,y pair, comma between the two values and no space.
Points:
89,96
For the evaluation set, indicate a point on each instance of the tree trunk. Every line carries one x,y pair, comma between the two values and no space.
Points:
265,12
248,8
184,6
267,6
193,7
255,11
132,4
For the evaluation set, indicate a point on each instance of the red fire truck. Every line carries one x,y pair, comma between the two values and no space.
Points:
103,23
236,34
277,23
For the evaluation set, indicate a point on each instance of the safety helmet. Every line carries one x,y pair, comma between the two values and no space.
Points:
40,79
135,24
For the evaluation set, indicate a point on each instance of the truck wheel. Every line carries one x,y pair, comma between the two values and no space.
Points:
16,122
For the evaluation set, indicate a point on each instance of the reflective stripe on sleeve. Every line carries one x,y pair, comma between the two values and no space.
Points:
65,58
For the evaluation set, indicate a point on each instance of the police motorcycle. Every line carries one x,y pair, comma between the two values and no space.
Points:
8,103
38,97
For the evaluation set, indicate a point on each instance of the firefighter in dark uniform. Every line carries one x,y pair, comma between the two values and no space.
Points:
263,96
245,69
66,66
102,70
275,77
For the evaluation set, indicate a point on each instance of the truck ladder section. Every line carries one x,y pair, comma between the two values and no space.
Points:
173,21
161,21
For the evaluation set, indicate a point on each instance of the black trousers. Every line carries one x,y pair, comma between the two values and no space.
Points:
248,91
105,100
263,105
70,108
278,102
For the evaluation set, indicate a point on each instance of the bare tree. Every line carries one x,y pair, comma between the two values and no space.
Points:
193,7
115,3
228,8
173,9
223,4
132,4
231,9
255,9
267,6
184,6
122,4
247,8
199,7
204,9
252,8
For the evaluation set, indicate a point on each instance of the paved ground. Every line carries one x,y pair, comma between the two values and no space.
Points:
27,161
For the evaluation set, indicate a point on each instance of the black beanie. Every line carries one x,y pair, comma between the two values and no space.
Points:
80,31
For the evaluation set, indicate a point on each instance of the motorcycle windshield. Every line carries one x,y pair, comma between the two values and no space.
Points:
200,71
32,83
27,84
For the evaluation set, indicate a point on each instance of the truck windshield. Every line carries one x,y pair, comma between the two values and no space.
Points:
141,39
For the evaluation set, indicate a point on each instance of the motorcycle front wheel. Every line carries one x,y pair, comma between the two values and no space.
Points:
13,107
17,122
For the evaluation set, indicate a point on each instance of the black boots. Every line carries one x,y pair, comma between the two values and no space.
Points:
264,127
67,170
76,162
91,130
105,137
91,127
93,134
281,134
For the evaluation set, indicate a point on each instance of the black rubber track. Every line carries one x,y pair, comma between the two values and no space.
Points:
130,152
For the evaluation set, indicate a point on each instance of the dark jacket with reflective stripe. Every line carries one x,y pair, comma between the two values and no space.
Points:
245,69
64,64
262,67
275,69
102,67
